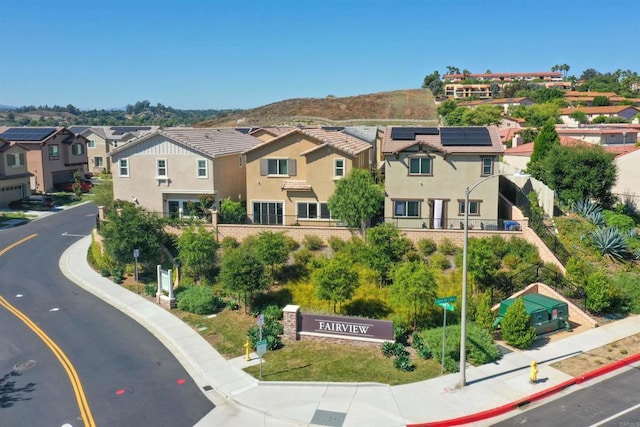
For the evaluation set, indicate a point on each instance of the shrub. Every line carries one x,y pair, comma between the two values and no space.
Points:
516,326
403,363
424,352
199,300
427,246
150,289
447,247
439,261
312,242
618,220
400,333
232,304
598,292
388,348
117,273
272,313
229,242
271,331
336,243
450,365
480,346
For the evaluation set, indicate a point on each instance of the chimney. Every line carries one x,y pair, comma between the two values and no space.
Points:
516,140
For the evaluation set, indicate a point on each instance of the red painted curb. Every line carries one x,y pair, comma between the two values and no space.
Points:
490,413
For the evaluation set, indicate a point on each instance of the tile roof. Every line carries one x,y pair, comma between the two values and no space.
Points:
275,131
579,93
596,130
335,139
609,109
390,146
294,185
621,150
208,141
497,101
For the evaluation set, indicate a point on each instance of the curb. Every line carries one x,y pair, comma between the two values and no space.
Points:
490,413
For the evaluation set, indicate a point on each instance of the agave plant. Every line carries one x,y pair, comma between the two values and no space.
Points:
403,363
585,208
610,242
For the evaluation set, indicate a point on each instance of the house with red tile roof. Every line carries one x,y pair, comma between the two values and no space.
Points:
291,177
604,135
626,112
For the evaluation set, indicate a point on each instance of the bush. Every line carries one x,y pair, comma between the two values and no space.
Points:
272,313
427,246
312,242
271,331
598,292
229,242
480,346
447,247
150,289
199,300
618,220
439,261
516,326
400,334
301,257
404,363
117,273
387,348
450,365
336,243
610,242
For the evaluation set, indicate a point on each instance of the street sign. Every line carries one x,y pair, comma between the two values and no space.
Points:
447,306
446,299
261,347
136,253
260,319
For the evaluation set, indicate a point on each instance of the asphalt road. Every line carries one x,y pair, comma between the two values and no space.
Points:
127,376
612,402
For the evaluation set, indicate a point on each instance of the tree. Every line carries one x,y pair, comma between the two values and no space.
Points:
581,173
601,101
242,271
482,115
433,83
579,116
446,107
385,247
130,227
536,115
546,140
272,249
484,315
413,289
452,70
516,326
355,199
198,253
483,262
598,291
232,212
335,281
589,74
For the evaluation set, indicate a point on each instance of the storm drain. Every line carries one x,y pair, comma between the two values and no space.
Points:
24,365
328,418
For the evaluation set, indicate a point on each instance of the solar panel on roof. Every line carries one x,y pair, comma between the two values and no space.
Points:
409,133
465,137
27,134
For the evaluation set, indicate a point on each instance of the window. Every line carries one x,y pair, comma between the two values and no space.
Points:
338,168
474,207
54,154
313,211
98,162
202,168
124,167
267,213
77,149
15,160
410,208
487,166
161,168
277,166
91,144
420,166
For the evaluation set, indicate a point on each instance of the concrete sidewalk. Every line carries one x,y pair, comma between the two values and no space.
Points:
242,400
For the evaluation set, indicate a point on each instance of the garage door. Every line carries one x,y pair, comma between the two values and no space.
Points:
62,176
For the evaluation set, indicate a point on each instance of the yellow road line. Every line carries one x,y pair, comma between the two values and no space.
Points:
81,398
13,245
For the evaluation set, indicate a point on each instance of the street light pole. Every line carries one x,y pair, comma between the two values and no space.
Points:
465,251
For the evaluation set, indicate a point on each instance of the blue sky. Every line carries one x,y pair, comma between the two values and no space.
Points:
198,54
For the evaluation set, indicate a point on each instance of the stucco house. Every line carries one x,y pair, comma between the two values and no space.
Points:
626,112
167,169
102,139
610,134
291,177
53,154
14,175
627,186
428,169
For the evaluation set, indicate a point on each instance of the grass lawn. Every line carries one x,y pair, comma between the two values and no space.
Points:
316,361
9,215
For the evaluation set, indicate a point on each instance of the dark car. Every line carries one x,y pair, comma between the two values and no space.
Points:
85,186
33,203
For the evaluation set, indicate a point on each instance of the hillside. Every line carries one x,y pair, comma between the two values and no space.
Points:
396,107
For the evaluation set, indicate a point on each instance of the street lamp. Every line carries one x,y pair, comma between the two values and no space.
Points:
465,250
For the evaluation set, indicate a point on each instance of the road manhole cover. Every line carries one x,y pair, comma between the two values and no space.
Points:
24,365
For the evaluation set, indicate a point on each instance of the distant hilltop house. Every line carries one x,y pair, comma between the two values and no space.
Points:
626,112
461,86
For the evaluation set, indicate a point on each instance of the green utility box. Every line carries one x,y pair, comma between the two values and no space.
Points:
546,314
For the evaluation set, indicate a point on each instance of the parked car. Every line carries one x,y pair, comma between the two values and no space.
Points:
34,203
85,186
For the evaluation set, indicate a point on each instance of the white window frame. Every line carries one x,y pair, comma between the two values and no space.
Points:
421,172
474,207
18,160
74,150
405,208
301,214
98,161
54,152
339,171
160,169
278,167
204,168
91,143
484,166
123,164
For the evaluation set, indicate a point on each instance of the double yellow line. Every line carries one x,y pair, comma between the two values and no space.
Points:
85,411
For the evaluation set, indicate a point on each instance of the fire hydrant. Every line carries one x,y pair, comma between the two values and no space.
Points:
533,375
246,348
